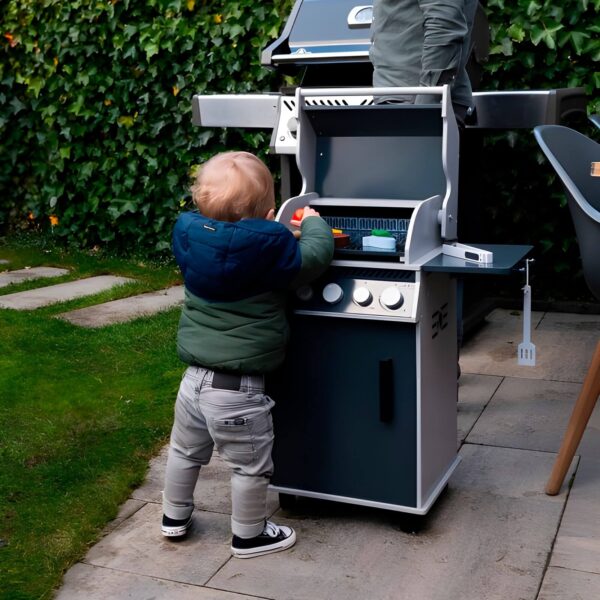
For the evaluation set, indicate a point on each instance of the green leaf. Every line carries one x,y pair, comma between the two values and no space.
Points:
151,49
579,39
516,32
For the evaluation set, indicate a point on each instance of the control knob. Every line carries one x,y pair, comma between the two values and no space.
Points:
305,293
391,298
332,293
362,296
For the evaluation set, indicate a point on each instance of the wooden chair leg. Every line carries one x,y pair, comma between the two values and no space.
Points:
580,416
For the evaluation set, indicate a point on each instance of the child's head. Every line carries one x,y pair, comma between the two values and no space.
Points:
234,185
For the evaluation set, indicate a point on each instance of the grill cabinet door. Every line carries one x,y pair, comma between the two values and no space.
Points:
345,420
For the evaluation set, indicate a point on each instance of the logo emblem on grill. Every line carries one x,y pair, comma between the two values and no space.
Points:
439,320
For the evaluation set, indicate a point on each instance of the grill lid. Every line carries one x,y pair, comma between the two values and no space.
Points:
323,32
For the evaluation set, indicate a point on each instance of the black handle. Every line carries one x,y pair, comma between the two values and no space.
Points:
386,390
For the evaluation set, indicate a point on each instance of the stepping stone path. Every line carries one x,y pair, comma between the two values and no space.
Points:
125,309
62,292
11,277
99,315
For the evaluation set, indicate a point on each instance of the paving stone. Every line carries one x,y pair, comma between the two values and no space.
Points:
567,584
577,545
3,261
569,322
514,318
12,277
97,583
62,292
493,350
488,538
533,414
128,508
213,490
474,392
125,309
137,546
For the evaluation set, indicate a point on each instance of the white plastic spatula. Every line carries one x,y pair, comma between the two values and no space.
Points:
526,350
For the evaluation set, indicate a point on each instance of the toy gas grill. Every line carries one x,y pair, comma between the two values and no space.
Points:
366,401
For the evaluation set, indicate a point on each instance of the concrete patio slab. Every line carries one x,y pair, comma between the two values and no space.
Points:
125,309
566,584
12,277
353,553
578,542
212,493
500,338
569,322
513,319
532,414
62,292
129,508
98,583
137,546
474,392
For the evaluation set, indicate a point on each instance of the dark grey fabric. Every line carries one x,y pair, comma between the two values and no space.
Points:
423,43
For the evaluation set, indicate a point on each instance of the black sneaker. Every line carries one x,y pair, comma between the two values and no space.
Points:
274,538
175,528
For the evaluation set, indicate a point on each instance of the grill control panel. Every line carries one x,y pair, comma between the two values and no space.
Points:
359,298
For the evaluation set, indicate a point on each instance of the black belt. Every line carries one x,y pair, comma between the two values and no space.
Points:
226,381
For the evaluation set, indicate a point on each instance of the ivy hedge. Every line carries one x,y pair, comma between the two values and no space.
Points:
95,110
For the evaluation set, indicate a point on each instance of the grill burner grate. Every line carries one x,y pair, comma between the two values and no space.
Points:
359,227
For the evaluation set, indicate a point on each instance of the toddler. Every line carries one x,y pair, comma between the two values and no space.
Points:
238,265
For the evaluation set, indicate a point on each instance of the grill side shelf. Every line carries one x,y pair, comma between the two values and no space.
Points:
506,258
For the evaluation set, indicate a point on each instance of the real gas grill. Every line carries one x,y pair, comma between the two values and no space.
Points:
366,400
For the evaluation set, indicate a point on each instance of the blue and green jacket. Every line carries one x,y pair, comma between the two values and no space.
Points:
236,280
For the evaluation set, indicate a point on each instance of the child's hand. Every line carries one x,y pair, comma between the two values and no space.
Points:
301,214
309,212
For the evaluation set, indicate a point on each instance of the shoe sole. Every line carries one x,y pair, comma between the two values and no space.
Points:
176,531
254,552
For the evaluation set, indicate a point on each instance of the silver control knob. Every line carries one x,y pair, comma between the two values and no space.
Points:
391,298
362,296
305,293
332,293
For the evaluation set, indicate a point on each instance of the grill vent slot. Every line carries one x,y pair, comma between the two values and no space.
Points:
374,274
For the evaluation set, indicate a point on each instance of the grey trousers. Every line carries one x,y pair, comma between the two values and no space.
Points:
423,43
240,426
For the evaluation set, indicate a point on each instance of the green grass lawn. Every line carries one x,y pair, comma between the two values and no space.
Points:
81,413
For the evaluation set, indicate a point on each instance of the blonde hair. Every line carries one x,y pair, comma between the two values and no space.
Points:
232,186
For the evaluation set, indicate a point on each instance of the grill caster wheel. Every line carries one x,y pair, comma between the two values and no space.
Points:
287,501
409,523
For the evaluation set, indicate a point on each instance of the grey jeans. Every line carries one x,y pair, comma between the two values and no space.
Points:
239,425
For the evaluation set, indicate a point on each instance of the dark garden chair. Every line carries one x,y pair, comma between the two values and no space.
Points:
576,160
